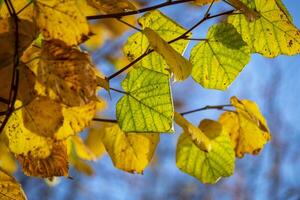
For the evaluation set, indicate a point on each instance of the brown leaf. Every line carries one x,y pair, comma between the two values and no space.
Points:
54,165
68,72
27,33
43,116
10,189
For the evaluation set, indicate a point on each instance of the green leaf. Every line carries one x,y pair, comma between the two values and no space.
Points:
210,166
138,44
147,105
270,35
218,60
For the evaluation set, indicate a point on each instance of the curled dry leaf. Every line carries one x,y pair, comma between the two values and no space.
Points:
68,72
10,189
56,164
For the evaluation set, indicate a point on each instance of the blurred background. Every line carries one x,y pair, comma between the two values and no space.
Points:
274,84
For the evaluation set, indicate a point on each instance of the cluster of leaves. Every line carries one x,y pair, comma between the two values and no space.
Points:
49,85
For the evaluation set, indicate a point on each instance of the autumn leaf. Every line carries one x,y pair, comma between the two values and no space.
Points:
177,63
195,134
130,152
247,127
94,141
147,103
270,35
56,164
167,29
21,141
112,6
210,166
7,161
67,72
27,32
218,60
43,116
67,22
81,149
10,189
204,2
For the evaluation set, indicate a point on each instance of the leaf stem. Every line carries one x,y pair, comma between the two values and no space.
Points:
134,12
130,25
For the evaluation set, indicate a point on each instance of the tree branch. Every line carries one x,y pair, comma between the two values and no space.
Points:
183,36
134,12
217,107
105,120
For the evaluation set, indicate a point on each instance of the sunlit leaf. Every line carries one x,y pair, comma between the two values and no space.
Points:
10,189
112,6
210,166
218,60
247,127
130,152
94,141
195,134
147,105
7,161
81,149
167,29
203,2
177,63
270,35
61,20
22,141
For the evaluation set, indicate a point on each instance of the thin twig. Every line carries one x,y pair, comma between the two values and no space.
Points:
28,4
15,76
105,120
130,25
218,107
119,91
134,12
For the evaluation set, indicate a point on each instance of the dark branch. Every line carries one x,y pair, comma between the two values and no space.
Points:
105,120
134,12
218,107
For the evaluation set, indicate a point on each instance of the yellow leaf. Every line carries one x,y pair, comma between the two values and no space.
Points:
195,134
203,2
178,64
61,20
18,5
210,166
137,44
7,161
68,72
247,127
10,189
103,82
249,13
81,149
43,116
112,6
21,141
94,142
56,164
76,119
130,152
83,167
272,33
